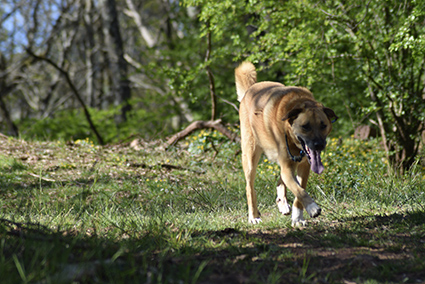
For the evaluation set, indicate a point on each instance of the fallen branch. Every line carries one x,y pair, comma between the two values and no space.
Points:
196,125
42,178
165,166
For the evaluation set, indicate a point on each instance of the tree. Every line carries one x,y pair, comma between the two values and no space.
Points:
4,90
160,60
100,47
387,38
354,55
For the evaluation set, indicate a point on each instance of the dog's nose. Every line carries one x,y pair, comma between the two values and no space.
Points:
319,145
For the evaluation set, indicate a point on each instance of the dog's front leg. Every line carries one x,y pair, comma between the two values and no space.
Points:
303,172
302,199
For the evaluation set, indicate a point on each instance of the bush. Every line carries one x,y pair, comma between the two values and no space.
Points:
72,124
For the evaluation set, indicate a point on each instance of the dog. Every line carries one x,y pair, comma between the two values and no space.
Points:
290,127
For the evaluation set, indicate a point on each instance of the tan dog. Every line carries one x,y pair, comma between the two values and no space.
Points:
290,127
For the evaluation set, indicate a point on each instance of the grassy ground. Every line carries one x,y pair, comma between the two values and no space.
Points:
136,213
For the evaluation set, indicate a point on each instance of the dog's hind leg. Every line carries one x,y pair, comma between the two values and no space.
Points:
297,214
281,200
250,156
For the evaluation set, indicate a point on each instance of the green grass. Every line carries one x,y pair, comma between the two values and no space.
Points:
78,213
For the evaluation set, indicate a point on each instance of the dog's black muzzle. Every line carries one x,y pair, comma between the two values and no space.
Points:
317,144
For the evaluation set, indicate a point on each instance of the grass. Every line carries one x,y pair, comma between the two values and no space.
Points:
136,213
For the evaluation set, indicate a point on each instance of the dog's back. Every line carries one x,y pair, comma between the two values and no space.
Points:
245,76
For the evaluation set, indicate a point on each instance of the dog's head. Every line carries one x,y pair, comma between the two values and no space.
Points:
311,123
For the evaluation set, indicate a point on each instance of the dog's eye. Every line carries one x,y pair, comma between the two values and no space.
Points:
306,127
323,126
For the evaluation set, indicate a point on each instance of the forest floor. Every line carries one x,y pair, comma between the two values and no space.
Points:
74,212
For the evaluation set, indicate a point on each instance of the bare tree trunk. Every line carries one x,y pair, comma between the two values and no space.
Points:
116,57
90,57
4,90
210,76
143,30
12,128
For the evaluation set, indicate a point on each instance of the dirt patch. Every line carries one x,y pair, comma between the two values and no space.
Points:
307,255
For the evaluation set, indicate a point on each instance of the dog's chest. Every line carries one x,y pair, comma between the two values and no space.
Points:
272,154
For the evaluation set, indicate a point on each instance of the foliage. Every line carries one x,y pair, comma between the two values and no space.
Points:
207,140
71,124
286,42
183,68
73,37
365,60
362,59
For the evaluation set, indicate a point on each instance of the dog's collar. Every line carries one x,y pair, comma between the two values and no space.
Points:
294,158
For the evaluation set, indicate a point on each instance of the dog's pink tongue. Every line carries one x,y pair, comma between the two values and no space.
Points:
316,162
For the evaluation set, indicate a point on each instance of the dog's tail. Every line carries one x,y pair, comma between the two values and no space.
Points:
245,77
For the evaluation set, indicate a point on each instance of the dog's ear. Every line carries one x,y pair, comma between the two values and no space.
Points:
292,115
330,114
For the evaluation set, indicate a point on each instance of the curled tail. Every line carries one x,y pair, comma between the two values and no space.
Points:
245,76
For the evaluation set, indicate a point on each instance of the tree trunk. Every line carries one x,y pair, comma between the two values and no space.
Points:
90,55
12,128
4,90
116,58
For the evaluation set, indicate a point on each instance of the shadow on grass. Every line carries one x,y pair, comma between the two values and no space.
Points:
34,253
380,248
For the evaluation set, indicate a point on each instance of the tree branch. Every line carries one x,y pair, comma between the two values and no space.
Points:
144,32
74,91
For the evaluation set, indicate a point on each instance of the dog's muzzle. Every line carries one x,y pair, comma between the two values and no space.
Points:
313,154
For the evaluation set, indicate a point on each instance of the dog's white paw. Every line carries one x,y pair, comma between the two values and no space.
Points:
313,210
298,224
255,221
298,218
283,206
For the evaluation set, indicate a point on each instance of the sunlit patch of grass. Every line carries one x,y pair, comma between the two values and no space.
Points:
127,218
11,164
212,141
352,168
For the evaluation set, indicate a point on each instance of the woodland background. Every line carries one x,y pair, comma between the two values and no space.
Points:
109,69
92,90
